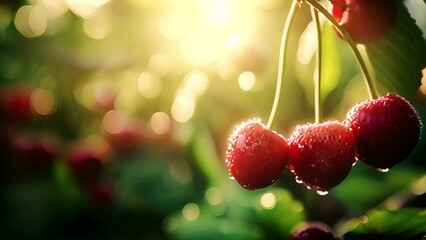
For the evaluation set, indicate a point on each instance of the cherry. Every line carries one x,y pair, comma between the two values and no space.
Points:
386,130
256,156
365,20
34,152
128,140
313,232
85,166
321,154
15,103
31,155
102,194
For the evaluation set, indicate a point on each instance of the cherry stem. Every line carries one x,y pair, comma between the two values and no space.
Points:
318,103
283,58
372,91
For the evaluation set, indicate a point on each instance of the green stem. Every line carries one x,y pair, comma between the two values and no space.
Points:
283,58
368,80
318,103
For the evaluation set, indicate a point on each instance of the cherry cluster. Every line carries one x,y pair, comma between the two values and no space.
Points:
380,132
29,154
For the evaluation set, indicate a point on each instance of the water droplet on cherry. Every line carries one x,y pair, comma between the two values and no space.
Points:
322,193
298,180
383,170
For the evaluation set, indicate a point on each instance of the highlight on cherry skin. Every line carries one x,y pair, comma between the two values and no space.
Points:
256,156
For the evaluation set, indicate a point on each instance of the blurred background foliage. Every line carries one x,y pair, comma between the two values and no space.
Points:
115,116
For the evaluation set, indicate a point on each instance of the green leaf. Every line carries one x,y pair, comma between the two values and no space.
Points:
397,59
331,74
210,227
145,182
357,198
403,224
206,157
278,212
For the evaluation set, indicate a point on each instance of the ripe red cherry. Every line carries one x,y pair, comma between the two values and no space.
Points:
34,152
128,140
386,130
102,194
365,20
15,103
321,154
256,156
313,232
86,167
31,155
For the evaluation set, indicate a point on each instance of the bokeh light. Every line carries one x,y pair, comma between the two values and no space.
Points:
160,122
149,85
114,121
183,107
144,94
5,17
31,21
43,102
85,8
97,27
191,211
246,80
268,200
214,196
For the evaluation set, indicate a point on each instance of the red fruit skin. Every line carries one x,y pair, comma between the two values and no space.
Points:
128,140
31,156
86,168
365,20
321,155
34,153
313,232
15,104
102,194
256,156
386,130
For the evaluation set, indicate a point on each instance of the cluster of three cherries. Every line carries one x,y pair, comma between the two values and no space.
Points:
381,133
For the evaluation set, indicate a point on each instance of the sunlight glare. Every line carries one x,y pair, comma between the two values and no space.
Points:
205,29
196,82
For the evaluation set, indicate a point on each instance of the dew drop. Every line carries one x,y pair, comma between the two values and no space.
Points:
383,170
231,177
354,163
322,193
298,180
